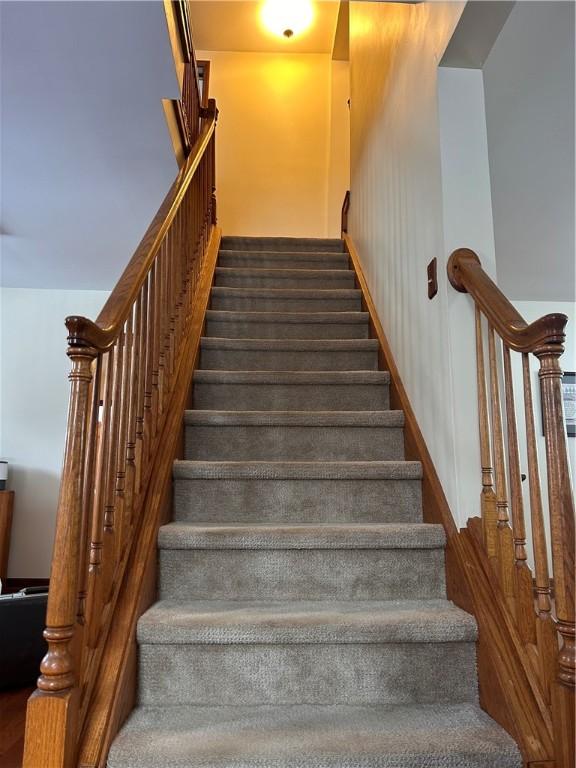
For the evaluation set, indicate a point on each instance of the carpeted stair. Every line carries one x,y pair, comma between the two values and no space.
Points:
302,619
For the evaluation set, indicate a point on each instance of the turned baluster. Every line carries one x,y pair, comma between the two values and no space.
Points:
497,434
163,328
140,453
174,271
151,387
158,355
89,474
112,446
561,506
168,310
516,501
545,629
542,578
504,532
124,397
488,495
94,597
111,500
524,588
133,396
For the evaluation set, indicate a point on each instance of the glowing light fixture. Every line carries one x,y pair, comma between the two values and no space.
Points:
287,18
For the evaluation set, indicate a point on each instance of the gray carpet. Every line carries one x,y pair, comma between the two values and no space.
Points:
302,618
295,325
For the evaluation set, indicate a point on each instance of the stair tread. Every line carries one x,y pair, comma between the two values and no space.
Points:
221,315
287,293
371,419
318,255
302,244
287,345
324,535
305,621
333,736
346,276
292,377
298,470
294,259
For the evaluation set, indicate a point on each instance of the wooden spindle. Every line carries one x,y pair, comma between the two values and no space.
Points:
142,388
504,532
497,434
488,495
133,398
95,586
112,447
122,438
545,627
542,578
88,499
524,589
516,500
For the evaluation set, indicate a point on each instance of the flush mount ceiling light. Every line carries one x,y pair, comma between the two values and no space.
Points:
287,18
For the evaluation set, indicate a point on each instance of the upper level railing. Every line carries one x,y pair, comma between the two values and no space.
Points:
538,610
124,370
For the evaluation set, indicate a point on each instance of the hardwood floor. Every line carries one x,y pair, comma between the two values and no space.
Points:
12,719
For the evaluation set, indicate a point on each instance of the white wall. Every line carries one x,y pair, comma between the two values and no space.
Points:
421,188
339,161
34,401
467,220
273,142
85,153
396,216
529,85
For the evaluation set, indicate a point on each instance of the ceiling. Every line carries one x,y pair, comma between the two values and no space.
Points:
234,25
475,33
85,155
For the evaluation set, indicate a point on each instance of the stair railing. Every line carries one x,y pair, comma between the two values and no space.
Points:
124,369
542,608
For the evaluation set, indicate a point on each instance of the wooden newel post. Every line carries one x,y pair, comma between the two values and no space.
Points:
53,708
561,505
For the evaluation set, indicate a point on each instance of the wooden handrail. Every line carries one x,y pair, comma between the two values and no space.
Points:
102,333
504,538
467,276
344,213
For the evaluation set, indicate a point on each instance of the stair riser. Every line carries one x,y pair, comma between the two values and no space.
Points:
285,244
254,260
288,360
272,304
298,500
407,673
291,397
278,443
328,281
302,574
243,330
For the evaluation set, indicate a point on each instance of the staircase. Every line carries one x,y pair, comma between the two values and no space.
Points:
302,617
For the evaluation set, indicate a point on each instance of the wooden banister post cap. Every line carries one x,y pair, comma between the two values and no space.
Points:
453,266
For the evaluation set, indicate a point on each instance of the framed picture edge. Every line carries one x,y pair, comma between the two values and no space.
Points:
568,377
